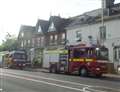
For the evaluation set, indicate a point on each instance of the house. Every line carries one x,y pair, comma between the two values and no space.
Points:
56,33
39,40
25,38
55,36
88,29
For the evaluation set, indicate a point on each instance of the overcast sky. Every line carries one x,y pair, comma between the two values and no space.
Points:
13,13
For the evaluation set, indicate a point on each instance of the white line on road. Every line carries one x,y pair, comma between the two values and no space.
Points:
86,89
48,83
1,89
40,77
69,82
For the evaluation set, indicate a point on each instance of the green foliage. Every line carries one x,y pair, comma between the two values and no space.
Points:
10,43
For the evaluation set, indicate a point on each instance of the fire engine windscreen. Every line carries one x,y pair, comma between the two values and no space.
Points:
98,53
19,56
84,52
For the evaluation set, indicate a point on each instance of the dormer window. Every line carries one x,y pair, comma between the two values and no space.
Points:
39,29
52,27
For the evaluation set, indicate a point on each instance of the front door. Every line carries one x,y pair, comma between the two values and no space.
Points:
116,54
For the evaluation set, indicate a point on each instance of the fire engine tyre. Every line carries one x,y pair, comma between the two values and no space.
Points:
83,72
52,70
21,68
9,66
98,75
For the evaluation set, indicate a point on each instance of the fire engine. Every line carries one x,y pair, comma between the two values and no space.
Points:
83,59
15,59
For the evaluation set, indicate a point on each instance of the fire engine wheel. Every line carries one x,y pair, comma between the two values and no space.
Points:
52,70
9,66
98,75
83,72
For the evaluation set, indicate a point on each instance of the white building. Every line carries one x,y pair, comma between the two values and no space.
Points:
86,29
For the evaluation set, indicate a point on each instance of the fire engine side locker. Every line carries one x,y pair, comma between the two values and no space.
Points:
50,57
63,62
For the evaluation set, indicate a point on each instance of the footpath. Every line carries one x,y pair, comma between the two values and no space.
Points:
117,76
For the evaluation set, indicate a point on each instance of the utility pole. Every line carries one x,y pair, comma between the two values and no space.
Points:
102,13
102,30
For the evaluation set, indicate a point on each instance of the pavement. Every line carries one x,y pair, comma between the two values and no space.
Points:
46,70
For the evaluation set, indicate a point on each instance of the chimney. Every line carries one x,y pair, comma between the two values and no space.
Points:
108,3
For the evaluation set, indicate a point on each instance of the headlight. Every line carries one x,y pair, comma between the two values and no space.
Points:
97,69
88,63
19,64
118,69
14,60
23,64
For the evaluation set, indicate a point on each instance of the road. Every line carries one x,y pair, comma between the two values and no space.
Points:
29,81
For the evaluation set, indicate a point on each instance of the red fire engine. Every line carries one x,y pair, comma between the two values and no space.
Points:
83,59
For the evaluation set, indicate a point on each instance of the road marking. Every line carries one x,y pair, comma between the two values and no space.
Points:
48,83
86,89
74,83
1,89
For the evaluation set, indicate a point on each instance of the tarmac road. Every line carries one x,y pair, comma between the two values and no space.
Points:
27,81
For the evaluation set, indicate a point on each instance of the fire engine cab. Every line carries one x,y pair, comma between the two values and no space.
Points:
83,59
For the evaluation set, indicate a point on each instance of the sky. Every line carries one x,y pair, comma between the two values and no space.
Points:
14,13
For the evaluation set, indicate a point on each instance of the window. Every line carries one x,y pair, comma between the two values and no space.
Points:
51,37
56,37
79,36
19,56
42,41
22,34
39,29
79,53
115,53
28,41
38,41
52,27
119,53
33,42
91,39
63,36
102,32
22,44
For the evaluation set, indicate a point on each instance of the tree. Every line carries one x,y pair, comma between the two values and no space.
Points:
10,43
